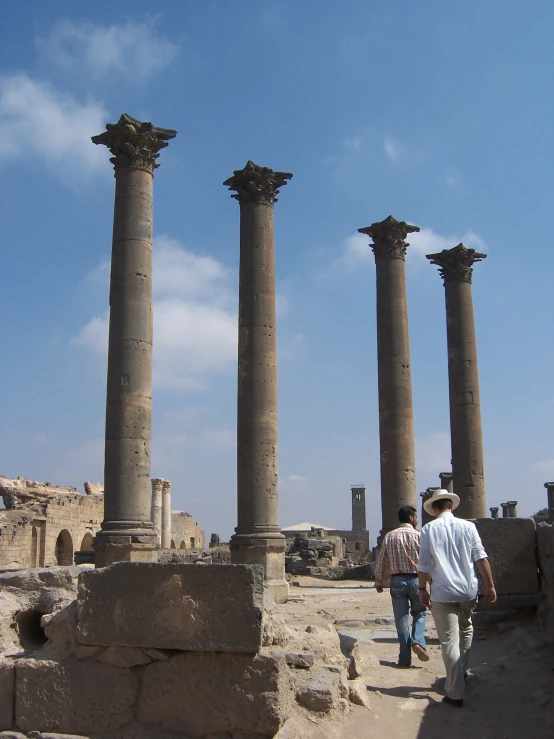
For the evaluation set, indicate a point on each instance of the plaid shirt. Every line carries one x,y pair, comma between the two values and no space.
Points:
399,552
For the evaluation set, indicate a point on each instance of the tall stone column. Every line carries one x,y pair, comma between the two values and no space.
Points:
127,532
396,421
166,515
258,538
456,269
550,498
156,506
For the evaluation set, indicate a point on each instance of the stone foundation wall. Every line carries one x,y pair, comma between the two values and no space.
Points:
545,539
166,664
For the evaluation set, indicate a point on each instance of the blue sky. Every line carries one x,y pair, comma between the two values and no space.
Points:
438,113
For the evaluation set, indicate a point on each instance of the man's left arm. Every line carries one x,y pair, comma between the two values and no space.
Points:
424,567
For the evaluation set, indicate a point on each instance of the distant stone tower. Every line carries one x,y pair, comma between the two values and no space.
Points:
358,509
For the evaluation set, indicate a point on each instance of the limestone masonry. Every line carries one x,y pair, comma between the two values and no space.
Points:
45,524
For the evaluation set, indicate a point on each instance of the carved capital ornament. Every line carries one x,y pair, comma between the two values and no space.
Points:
389,237
456,265
255,184
134,143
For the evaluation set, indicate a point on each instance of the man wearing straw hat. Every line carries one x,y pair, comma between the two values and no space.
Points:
450,547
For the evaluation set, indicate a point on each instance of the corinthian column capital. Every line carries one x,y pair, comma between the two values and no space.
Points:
456,264
255,184
134,143
389,237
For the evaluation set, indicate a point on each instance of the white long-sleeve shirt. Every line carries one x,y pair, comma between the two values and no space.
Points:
449,547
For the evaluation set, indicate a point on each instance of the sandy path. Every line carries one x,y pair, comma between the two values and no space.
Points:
510,692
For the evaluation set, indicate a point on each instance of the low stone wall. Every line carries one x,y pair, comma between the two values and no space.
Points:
154,651
545,539
511,546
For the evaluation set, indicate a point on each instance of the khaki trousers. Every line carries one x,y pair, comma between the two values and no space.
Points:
455,631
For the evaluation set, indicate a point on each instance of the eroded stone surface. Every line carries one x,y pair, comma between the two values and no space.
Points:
124,657
173,606
511,546
320,692
198,693
7,687
73,697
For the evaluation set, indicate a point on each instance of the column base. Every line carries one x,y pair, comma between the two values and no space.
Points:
268,551
110,548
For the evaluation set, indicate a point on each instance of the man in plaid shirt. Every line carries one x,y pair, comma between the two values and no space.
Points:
399,557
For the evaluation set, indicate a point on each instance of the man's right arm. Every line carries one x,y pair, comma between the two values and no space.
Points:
484,568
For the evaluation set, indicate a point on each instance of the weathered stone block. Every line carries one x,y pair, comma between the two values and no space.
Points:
172,606
73,697
7,686
300,660
511,545
202,693
319,693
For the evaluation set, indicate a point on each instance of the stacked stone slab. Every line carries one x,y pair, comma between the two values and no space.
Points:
127,531
456,269
396,422
258,538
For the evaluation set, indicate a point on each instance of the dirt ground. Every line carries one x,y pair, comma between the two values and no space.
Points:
510,691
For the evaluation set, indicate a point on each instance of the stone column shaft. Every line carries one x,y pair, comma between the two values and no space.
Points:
463,380
396,423
258,538
127,531
156,506
425,517
494,512
166,515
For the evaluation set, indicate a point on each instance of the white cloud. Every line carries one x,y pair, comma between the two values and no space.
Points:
296,478
545,467
136,51
428,242
393,148
452,178
39,122
219,439
357,250
195,323
353,144
433,455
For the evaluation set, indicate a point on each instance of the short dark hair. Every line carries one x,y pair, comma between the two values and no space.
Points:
405,513
443,504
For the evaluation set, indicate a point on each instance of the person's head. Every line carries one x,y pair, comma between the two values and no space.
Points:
408,514
439,506
440,502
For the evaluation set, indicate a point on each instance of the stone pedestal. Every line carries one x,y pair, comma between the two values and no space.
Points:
166,515
258,538
446,481
156,506
494,512
455,267
550,500
127,531
425,517
396,423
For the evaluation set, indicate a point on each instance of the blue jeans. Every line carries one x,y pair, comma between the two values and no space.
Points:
405,599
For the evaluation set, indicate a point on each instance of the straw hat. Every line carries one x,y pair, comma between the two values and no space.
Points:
440,495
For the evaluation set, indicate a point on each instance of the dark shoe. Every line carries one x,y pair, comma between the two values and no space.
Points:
465,676
453,702
420,651
402,667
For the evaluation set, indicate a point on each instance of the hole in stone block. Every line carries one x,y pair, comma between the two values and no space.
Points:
30,632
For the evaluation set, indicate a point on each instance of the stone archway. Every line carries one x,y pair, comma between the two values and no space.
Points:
86,544
183,545
172,544
64,548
